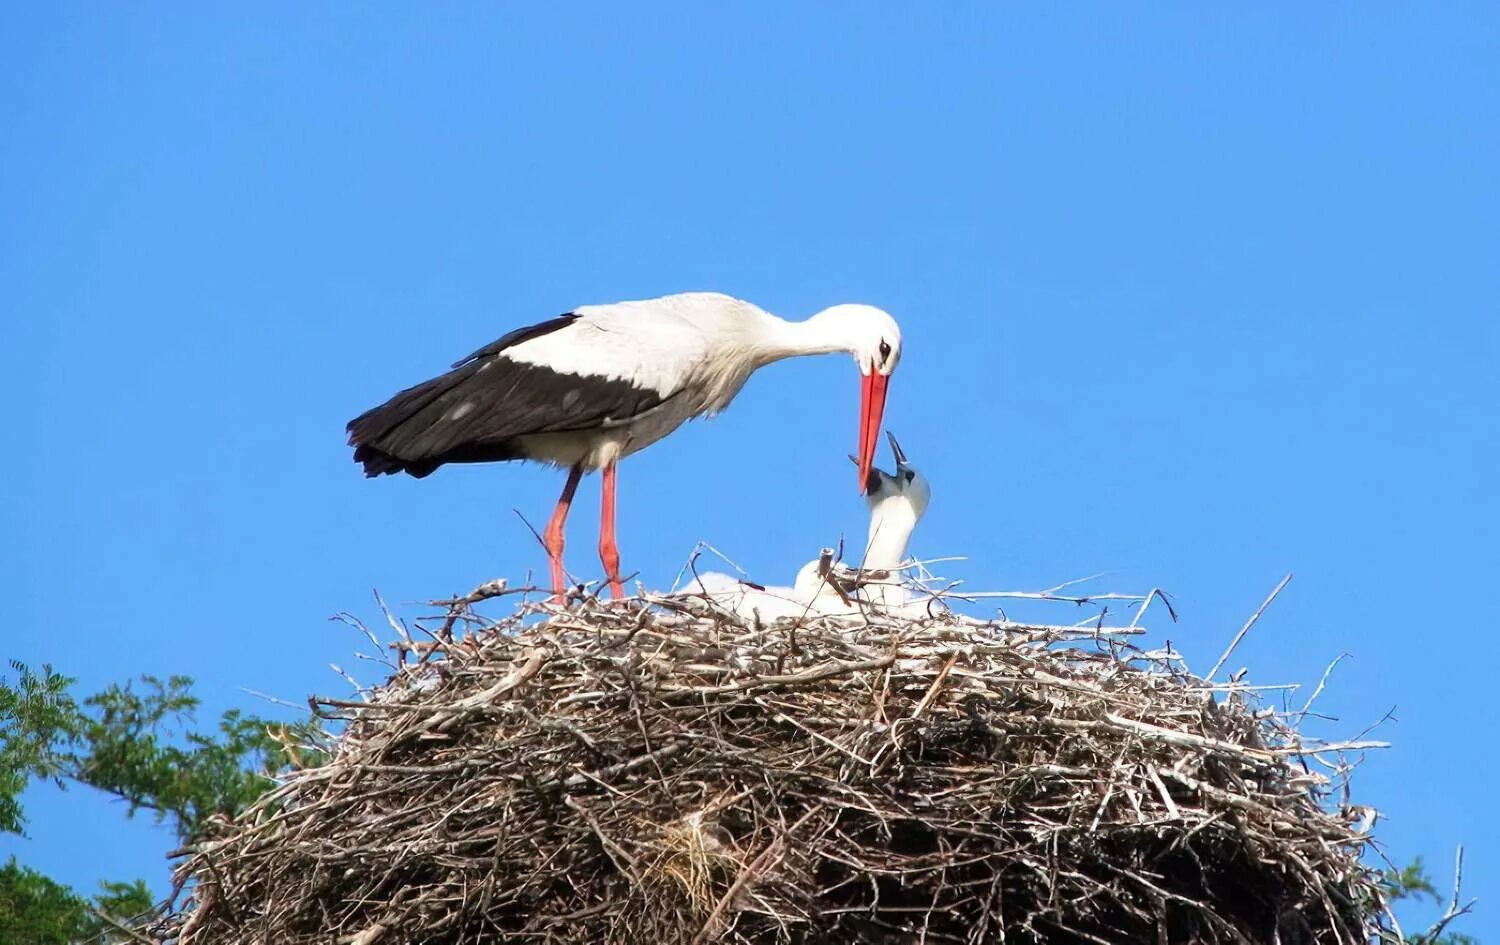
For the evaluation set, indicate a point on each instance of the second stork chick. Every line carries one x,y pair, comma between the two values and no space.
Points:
897,501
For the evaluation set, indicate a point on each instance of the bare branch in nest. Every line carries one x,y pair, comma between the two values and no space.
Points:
1233,644
656,771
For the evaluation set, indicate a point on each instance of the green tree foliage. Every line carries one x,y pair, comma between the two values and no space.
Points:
34,910
36,714
137,741
1413,883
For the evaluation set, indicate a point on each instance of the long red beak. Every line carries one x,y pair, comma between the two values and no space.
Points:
871,410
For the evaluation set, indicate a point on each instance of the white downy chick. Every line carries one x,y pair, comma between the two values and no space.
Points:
897,502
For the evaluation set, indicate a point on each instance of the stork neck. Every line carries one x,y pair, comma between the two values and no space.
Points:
784,339
891,525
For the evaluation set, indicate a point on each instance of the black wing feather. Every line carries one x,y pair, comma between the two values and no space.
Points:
420,428
510,339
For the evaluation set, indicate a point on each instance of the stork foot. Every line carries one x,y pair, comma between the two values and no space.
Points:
610,558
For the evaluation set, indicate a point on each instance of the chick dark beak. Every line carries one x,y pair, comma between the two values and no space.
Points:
896,449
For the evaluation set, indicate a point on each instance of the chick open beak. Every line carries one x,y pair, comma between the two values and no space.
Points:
896,449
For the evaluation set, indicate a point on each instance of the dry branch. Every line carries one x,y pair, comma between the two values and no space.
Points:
661,773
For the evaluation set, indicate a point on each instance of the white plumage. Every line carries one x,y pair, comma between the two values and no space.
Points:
693,352
897,503
587,388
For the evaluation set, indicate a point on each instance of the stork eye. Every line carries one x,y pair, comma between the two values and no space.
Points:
910,476
885,350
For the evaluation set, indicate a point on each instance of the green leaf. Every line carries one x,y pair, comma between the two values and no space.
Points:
34,910
139,742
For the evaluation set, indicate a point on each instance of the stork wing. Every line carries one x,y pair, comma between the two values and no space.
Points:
572,373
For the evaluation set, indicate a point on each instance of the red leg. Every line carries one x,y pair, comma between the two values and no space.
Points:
609,554
553,536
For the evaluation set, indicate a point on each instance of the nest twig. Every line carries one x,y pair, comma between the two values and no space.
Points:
661,773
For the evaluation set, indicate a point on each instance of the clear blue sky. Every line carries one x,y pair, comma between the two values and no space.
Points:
1196,293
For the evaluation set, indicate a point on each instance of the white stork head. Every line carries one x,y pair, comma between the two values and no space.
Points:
897,502
872,336
906,486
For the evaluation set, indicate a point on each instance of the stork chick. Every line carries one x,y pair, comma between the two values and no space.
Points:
897,502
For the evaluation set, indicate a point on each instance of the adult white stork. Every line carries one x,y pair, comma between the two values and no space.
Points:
586,388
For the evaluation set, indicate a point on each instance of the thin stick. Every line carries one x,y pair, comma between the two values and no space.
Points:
531,528
692,563
1318,691
1248,624
1041,595
1155,593
1083,580
113,923
1454,910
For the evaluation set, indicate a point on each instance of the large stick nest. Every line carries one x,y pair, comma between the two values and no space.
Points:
654,772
